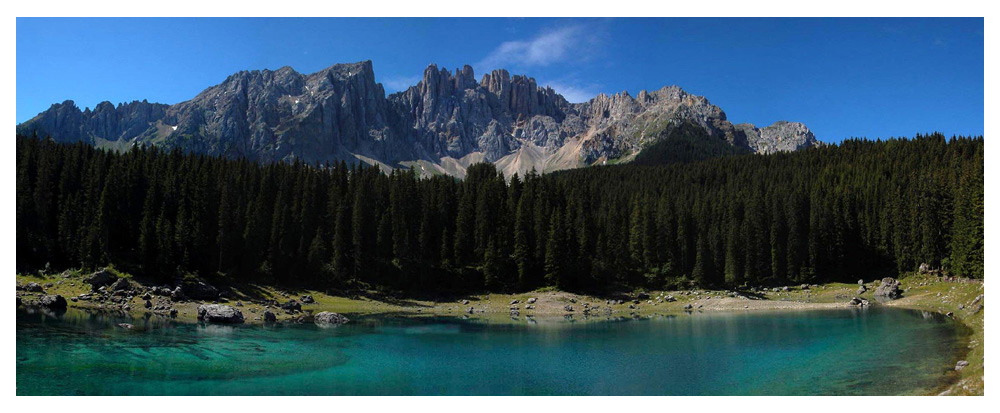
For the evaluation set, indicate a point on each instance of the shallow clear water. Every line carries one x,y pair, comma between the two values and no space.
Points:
837,352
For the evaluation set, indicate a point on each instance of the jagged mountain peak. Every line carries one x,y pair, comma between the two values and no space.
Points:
441,124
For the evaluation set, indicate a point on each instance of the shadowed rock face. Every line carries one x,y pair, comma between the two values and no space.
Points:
446,121
64,122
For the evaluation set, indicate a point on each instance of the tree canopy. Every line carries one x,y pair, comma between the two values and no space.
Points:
833,213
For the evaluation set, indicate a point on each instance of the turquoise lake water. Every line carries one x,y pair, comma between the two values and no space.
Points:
877,351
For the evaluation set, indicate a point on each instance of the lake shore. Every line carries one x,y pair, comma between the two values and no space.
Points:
921,292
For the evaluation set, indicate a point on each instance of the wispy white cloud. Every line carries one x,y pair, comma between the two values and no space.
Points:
574,93
547,47
398,83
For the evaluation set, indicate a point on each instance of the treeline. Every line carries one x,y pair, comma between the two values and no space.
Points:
834,213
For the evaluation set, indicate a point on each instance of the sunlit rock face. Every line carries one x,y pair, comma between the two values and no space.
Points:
442,124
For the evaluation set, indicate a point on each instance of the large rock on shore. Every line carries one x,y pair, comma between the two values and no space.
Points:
291,306
328,318
121,285
888,289
269,317
54,302
199,290
219,313
100,278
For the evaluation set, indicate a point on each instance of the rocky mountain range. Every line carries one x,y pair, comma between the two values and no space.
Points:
444,123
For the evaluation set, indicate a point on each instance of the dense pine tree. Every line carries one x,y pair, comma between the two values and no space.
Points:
833,213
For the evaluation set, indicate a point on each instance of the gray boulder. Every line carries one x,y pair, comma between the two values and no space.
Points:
291,306
269,317
100,278
54,302
200,290
326,318
121,285
961,365
888,289
34,287
532,300
177,294
219,313
308,299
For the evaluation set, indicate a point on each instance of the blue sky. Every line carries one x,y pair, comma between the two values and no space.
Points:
841,77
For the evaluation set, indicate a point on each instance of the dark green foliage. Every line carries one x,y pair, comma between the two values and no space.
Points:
687,142
833,213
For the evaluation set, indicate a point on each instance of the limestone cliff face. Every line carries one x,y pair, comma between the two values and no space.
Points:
64,122
781,136
443,123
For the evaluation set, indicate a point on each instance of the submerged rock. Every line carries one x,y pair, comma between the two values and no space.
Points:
327,317
219,313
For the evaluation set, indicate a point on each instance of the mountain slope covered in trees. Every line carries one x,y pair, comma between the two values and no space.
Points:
834,213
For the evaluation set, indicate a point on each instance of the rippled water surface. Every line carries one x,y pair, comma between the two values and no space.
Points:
837,352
